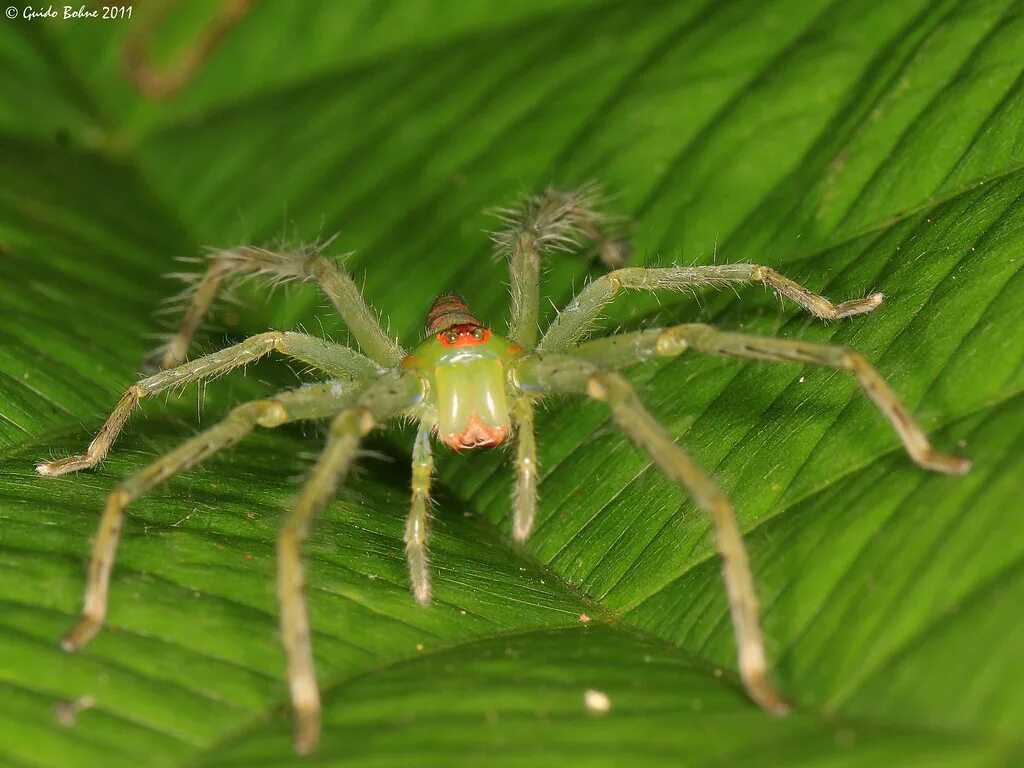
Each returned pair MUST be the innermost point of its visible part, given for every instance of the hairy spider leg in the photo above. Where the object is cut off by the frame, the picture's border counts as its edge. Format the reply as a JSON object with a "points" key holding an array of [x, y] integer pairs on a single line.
{"points": [[161, 83], [553, 220], [563, 373], [337, 285], [417, 525], [578, 317], [382, 400], [331, 358], [310, 402], [524, 499], [628, 348]]}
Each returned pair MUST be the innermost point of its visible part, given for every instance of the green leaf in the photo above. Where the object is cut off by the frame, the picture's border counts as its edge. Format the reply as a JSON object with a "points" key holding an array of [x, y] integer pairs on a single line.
{"points": [[854, 146]]}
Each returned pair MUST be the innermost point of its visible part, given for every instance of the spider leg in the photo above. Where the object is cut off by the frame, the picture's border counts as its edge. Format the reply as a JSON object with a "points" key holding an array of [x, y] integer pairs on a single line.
{"points": [[553, 220], [306, 403], [161, 83], [279, 265], [417, 526], [525, 499], [327, 356], [579, 316], [563, 373], [627, 348], [382, 400]]}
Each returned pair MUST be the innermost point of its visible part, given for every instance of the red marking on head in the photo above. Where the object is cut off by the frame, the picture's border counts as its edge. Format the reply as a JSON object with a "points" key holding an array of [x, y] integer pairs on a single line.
{"points": [[515, 349], [476, 435], [464, 335]]}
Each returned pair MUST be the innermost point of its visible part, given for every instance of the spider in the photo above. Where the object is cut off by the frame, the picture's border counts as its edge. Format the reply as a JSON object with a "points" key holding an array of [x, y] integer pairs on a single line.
{"points": [[472, 388]]}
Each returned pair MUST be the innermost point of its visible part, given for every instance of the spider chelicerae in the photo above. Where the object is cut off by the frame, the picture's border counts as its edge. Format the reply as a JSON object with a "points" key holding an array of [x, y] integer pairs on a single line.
{"points": [[471, 388]]}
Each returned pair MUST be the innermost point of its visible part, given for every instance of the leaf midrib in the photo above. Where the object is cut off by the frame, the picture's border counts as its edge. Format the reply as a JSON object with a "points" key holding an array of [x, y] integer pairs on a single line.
{"points": [[995, 740]]}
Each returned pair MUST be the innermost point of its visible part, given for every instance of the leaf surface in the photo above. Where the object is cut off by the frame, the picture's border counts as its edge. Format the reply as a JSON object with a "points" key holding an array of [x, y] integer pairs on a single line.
{"points": [[853, 146]]}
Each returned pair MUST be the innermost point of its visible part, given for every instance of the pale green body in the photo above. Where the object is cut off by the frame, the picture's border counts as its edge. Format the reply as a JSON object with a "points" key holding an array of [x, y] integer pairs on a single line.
{"points": [[468, 389]]}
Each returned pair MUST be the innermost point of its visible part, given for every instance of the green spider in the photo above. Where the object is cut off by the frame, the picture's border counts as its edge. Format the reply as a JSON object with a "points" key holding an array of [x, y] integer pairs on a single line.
{"points": [[472, 388]]}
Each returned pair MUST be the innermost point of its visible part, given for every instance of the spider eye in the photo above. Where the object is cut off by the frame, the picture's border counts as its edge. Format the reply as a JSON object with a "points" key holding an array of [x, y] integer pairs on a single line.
{"points": [[451, 337], [478, 334]]}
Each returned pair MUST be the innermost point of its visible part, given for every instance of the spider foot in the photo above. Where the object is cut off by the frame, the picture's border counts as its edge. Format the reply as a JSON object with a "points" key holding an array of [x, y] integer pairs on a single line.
{"points": [[422, 592], [84, 631], [64, 466], [765, 695], [307, 731], [859, 306], [945, 463]]}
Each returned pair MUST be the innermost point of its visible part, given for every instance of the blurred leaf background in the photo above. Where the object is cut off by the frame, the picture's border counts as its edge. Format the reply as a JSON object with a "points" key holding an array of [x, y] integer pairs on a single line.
{"points": [[855, 146]]}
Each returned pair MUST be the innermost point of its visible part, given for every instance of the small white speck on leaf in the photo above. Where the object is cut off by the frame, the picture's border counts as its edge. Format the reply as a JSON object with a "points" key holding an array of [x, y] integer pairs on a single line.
{"points": [[596, 702]]}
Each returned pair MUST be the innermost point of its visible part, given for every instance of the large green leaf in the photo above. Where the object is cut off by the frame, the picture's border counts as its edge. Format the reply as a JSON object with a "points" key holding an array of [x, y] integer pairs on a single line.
{"points": [[855, 146]]}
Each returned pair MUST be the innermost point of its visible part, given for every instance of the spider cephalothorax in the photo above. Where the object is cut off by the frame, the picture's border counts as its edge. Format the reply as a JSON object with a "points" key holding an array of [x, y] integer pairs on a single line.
{"points": [[465, 366], [474, 388]]}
